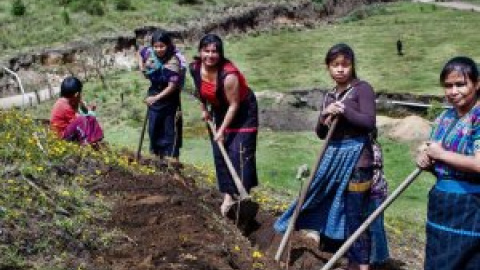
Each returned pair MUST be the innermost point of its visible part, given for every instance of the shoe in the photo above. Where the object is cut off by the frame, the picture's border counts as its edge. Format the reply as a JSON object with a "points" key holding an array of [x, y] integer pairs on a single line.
{"points": [[311, 234]]}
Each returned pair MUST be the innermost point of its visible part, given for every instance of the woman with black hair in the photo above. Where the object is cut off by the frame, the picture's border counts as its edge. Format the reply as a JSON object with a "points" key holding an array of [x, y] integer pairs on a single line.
{"points": [[220, 85], [453, 156], [339, 197], [163, 68]]}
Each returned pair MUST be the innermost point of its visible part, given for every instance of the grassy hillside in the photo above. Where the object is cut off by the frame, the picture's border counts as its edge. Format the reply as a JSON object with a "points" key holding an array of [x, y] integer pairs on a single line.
{"points": [[287, 60], [47, 213], [44, 23]]}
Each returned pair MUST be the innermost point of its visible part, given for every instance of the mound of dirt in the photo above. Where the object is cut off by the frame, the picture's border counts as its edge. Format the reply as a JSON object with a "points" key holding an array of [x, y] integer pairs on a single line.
{"points": [[171, 224], [169, 221], [410, 128]]}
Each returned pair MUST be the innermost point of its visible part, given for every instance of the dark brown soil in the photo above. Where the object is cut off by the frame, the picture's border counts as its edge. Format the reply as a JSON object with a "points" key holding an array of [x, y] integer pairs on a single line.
{"points": [[171, 222]]}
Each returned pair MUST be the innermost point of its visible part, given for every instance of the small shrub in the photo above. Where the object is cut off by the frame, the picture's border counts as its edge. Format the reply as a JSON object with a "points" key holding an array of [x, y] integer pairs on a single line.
{"points": [[124, 5], [95, 8], [64, 2], [92, 7], [18, 8], [66, 17], [188, 2]]}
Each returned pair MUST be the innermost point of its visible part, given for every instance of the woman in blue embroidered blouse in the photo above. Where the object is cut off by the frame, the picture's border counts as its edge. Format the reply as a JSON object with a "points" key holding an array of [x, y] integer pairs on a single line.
{"points": [[453, 156]]}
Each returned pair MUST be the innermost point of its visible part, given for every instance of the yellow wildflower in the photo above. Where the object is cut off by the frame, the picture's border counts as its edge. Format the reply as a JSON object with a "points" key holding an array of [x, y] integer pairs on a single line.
{"points": [[257, 254]]}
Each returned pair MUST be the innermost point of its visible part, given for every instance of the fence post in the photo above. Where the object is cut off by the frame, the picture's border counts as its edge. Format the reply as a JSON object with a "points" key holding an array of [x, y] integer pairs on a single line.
{"points": [[19, 84]]}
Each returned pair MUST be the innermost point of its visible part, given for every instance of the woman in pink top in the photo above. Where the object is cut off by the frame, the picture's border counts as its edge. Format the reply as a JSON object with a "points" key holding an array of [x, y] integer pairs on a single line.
{"points": [[65, 120]]}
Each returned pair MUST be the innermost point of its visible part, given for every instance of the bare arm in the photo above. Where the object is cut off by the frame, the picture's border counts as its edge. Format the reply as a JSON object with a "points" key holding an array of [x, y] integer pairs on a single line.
{"points": [[461, 162], [233, 99]]}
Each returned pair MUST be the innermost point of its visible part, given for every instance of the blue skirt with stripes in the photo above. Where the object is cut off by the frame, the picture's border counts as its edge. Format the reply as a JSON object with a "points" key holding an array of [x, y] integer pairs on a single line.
{"points": [[324, 206], [453, 226]]}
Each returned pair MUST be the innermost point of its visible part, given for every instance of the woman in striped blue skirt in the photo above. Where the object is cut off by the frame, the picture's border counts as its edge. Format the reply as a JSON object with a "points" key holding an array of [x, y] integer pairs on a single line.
{"points": [[338, 199], [453, 156]]}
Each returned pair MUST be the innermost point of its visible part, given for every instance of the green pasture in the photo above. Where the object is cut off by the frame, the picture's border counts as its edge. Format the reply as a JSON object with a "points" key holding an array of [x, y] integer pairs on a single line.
{"points": [[45, 25], [285, 60]]}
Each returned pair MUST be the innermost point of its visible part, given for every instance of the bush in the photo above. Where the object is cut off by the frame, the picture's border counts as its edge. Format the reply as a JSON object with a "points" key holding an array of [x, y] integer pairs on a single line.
{"points": [[188, 2], [64, 2], [124, 5], [18, 8], [66, 17], [92, 7], [95, 8]]}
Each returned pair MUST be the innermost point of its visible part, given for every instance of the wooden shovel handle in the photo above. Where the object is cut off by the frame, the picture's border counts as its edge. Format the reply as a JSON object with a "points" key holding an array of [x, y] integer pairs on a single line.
{"points": [[349, 242], [236, 179], [303, 193], [142, 136]]}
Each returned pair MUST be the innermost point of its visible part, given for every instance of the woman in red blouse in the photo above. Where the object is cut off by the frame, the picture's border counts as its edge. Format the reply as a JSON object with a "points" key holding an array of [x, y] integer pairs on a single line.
{"points": [[233, 106]]}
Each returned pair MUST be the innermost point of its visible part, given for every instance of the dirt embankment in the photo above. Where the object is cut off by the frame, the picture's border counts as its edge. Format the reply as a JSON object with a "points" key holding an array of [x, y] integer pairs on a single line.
{"points": [[89, 58], [171, 222], [299, 111]]}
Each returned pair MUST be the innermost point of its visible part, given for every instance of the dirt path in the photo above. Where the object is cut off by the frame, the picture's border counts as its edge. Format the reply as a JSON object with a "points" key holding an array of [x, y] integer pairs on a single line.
{"points": [[453, 4]]}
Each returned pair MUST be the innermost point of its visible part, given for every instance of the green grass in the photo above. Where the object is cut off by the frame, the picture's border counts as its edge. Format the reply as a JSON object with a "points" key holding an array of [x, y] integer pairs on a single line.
{"points": [[285, 60], [43, 24], [411, 205]]}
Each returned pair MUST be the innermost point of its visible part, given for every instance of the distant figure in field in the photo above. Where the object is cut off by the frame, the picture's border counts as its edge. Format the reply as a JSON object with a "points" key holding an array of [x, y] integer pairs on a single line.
{"points": [[71, 119], [453, 156], [399, 47]]}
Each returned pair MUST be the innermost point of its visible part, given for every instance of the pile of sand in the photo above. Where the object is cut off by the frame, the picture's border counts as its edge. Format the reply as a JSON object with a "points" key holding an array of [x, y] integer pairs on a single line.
{"points": [[410, 128]]}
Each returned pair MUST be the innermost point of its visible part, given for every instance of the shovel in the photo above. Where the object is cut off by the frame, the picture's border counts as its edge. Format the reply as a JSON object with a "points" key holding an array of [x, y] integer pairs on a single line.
{"points": [[303, 193], [404, 185], [142, 136]]}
